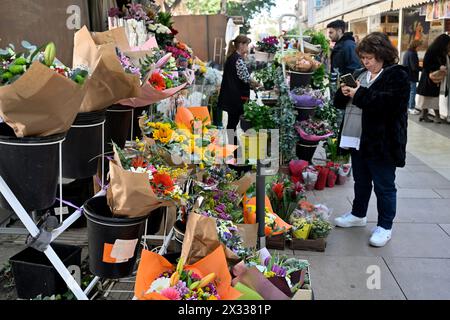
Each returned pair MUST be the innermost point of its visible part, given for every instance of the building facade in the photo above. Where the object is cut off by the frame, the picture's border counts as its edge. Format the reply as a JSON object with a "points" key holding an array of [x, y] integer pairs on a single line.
{"points": [[403, 20]]}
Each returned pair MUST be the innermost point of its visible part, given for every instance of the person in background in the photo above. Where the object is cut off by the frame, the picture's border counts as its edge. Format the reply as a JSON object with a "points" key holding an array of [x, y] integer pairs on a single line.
{"points": [[236, 81], [434, 71], [378, 145], [343, 56], [411, 61]]}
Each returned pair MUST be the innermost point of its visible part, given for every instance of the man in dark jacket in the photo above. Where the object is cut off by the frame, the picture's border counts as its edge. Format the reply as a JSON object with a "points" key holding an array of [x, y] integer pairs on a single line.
{"points": [[343, 57], [411, 61]]}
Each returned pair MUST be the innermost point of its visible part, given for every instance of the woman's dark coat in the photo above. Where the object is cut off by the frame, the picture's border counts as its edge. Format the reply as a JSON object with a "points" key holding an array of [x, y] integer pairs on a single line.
{"points": [[384, 115]]}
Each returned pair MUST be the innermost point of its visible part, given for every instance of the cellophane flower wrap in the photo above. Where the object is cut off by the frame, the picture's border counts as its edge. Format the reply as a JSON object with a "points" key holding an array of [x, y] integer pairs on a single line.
{"points": [[207, 279]]}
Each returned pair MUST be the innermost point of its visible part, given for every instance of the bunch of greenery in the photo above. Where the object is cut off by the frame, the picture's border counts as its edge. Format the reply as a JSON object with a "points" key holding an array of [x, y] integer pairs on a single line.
{"points": [[260, 116], [267, 76]]}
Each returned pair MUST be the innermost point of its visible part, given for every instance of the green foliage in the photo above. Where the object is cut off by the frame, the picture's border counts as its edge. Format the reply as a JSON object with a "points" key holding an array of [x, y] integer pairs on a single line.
{"points": [[320, 229], [319, 78], [248, 10], [319, 38], [328, 113], [267, 76], [260, 116], [203, 6], [285, 119]]}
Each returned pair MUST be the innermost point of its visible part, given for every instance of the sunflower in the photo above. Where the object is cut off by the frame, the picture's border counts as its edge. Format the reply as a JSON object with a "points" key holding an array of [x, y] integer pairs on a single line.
{"points": [[163, 134]]}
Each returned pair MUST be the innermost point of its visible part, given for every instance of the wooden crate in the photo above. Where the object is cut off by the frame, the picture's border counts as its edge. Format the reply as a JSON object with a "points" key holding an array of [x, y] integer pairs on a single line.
{"points": [[277, 242], [309, 244]]}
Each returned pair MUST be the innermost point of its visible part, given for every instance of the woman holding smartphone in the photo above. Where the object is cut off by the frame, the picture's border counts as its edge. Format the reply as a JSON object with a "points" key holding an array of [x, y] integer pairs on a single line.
{"points": [[381, 95]]}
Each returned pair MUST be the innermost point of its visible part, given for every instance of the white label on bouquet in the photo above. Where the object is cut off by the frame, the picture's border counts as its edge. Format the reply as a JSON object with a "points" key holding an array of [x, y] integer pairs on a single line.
{"points": [[123, 250], [64, 211]]}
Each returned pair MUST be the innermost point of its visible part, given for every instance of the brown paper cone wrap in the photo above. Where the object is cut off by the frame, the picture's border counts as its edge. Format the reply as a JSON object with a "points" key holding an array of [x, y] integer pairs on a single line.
{"points": [[130, 194], [108, 82], [41, 102], [201, 238]]}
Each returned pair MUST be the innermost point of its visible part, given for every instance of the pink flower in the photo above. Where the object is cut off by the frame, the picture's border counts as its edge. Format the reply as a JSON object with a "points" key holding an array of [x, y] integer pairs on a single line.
{"points": [[171, 293]]}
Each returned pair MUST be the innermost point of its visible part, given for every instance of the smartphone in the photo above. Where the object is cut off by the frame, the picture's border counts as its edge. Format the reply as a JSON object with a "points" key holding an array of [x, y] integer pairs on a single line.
{"points": [[349, 80]]}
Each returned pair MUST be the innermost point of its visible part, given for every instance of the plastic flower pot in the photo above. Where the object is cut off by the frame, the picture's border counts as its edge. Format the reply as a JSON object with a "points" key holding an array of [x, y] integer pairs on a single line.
{"points": [[299, 79], [331, 179], [264, 56], [154, 220], [322, 178], [34, 274], [117, 125], [305, 113], [30, 167], [113, 242], [83, 145], [341, 179], [245, 125], [305, 150]]}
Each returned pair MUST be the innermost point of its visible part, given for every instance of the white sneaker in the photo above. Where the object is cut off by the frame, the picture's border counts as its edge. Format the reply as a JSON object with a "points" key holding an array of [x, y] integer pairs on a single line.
{"points": [[348, 220], [380, 237], [414, 111]]}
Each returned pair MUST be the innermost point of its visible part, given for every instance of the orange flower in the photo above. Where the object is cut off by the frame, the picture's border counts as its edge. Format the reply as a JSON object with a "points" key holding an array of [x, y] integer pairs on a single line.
{"points": [[181, 46], [162, 182], [305, 205], [157, 81], [278, 189], [138, 162]]}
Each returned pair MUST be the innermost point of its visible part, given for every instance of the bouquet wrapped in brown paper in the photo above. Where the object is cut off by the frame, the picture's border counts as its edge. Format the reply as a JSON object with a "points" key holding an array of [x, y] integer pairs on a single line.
{"points": [[204, 234], [301, 62], [38, 95], [137, 187], [109, 81]]}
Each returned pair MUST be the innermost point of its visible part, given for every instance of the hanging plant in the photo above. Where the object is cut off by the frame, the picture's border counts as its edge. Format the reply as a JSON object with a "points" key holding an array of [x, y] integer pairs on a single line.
{"points": [[286, 119]]}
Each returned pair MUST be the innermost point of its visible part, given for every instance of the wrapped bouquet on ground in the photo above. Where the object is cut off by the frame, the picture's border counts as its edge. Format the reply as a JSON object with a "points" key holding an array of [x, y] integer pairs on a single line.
{"points": [[207, 279], [310, 226], [274, 277]]}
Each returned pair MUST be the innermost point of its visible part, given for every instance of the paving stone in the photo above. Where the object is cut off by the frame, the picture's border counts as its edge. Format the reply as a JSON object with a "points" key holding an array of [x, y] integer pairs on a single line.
{"points": [[446, 228], [444, 193], [408, 240], [422, 180], [420, 278], [335, 278]]}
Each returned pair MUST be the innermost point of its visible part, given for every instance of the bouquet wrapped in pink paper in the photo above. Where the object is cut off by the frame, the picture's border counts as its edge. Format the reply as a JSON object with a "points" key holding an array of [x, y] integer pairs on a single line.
{"points": [[312, 130], [163, 81]]}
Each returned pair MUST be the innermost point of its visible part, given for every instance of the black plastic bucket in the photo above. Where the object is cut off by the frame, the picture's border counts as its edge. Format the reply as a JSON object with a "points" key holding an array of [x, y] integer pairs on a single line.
{"points": [[83, 144], [104, 232], [299, 79], [154, 220], [305, 150], [30, 167], [34, 274], [118, 125], [305, 113]]}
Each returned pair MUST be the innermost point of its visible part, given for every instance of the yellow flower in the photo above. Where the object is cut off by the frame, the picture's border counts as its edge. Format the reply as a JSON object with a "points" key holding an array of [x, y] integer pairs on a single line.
{"points": [[163, 134], [201, 166], [212, 298], [202, 69]]}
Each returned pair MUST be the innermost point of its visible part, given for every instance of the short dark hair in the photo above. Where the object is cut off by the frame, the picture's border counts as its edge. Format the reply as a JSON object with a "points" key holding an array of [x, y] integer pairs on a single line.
{"points": [[378, 44], [338, 24]]}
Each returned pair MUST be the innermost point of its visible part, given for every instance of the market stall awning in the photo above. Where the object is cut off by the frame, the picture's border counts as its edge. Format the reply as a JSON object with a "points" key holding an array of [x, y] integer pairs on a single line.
{"points": [[357, 14], [377, 8], [398, 4]]}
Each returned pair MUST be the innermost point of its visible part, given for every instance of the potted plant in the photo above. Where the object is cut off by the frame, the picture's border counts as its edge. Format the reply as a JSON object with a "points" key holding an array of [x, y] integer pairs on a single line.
{"points": [[267, 76], [310, 227], [306, 100], [311, 132], [266, 49], [301, 67], [256, 117]]}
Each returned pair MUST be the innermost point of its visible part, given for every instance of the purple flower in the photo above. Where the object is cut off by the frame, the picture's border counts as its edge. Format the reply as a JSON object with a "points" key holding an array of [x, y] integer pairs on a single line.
{"points": [[279, 271], [266, 261], [115, 12], [182, 288]]}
